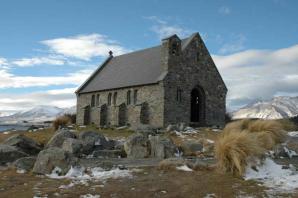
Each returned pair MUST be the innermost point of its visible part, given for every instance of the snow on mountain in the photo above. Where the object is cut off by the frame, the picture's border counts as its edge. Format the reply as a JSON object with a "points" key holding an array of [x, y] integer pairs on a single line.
{"points": [[37, 114], [277, 108]]}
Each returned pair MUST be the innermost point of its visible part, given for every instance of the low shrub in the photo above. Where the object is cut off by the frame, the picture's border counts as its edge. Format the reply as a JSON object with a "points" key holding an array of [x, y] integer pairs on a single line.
{"points": [[61, 121]]}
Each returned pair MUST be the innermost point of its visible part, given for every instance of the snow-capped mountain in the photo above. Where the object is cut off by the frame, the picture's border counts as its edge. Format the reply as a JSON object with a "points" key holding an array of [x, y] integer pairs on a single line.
{"points": [[277, 108], [37, 114]]}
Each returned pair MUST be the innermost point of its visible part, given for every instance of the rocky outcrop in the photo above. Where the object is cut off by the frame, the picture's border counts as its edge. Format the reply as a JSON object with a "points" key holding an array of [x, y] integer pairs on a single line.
{"points": [[191, 147], [73, 146], [137, 146], [24, 144], [94, 141], [51, 158], [161, 147], [140, 146], [25, 163], [59, 137], [10, 154], [109, 154]]}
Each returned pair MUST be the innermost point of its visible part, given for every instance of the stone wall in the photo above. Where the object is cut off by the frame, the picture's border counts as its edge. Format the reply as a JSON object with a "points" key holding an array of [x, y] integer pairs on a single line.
{"points": [[193, 67], [152, 94]]}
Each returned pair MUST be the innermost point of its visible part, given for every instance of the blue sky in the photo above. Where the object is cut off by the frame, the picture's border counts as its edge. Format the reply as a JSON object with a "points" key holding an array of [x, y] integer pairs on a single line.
{"points": [[47, 48]]}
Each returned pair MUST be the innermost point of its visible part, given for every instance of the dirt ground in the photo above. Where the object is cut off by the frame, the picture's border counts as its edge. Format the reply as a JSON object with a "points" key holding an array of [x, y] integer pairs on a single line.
{"points": [[150, 182]]}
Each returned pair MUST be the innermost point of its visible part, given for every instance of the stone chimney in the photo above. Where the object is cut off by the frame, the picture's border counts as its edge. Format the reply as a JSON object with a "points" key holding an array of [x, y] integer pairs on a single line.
{"points": [[170, 50]]}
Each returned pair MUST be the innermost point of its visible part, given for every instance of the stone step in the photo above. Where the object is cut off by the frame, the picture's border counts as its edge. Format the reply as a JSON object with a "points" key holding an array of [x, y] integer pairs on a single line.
{"points": [[109, 154]]}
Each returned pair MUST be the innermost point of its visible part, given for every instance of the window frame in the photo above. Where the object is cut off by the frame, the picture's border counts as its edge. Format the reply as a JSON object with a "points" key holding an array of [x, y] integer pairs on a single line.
{"points": [[109, 99], [128, 97], [135, 96], [115, 98]]}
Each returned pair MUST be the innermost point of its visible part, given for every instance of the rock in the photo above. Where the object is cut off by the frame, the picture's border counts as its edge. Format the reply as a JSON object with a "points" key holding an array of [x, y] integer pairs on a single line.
{"points": [[171, 163], [137, 146], [94, 141], [279, 151], [146, 129], [73, 146], [59, 137], [181, 126], [25, 163], [171, 127], [24, 144], [190, 148], [51, 158], [292, 144], [109, 153], [162, 147], [10, 154]]}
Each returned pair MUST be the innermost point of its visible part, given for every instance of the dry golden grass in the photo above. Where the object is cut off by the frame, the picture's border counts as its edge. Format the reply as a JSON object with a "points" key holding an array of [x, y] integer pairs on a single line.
{"points": [[246, 139], [61, 121], [232, 150]]}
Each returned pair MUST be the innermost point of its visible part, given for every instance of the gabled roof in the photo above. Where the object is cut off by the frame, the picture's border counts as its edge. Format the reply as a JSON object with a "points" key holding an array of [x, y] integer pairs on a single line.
{"points": [[132, 69]]}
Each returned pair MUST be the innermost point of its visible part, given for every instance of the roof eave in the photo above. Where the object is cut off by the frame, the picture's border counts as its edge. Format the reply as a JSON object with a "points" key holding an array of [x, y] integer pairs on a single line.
{"points": [[93, 74]]}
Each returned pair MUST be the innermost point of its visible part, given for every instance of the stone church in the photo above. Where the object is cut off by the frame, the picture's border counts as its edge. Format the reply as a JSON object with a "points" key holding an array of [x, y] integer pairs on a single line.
{"points": [[175, 82]]}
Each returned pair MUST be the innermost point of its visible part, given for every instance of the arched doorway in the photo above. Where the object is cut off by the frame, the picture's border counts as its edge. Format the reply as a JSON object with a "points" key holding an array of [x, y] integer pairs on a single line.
{"points": [[197, 105], [122, 116]]}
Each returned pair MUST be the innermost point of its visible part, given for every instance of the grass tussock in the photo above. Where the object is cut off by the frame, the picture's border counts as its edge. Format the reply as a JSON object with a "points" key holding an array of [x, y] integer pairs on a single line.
{"points": [[61, 121], [243, 140]]}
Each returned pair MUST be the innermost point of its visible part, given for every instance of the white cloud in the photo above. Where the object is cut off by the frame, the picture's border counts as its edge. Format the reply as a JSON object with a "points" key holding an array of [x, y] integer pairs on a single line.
{"points": [[25, 62], [259, 74], [84, 47], [14, 102], [224, 10], [163, 29], [3, 61], [9, 80], [236, 44]]}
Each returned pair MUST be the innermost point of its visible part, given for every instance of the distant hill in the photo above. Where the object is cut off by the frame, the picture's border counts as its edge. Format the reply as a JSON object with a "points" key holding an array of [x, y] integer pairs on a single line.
{"points": [[37, 114], [277, 108]]}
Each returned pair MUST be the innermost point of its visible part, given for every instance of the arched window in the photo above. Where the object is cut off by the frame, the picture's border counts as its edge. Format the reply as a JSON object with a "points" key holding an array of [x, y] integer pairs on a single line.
{"points": [[115, 98], [110, 99], [97, 100], [93, 101], [179, 95], [135, 96], [128, 97]]}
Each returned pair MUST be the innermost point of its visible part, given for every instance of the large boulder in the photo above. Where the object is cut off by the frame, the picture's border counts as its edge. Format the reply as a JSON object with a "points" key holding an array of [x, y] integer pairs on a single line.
{"points": [[25, 163], [73, 146], [94, 141], [51, 158], [24, 144], [10, 154], [162, 147], [137, 146], [59, 137], [190, 148]]}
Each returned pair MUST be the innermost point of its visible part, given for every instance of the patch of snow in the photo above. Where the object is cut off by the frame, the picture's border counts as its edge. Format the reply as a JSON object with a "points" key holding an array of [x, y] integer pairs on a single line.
{"points": [[56, 172], [210, 141], [290, 153], [215, 130], [79, 175], [97, 143], [210, 195], [178, 153], [273, 176], [67, 186], [184, 168], [6, 132], [90, 196], [293, 134], [21, 171]]}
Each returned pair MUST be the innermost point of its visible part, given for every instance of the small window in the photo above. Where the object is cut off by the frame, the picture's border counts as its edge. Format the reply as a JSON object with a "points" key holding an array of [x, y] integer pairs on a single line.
{"points": [[174, 48], [179, 95], [109, 99], [93, 101], [115, 98], [198, 56], [135, 96], [128, 97], [97, 100]]}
